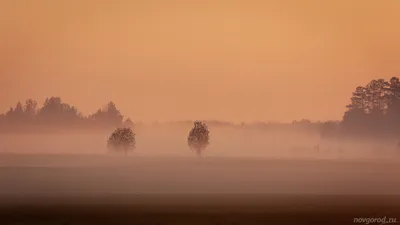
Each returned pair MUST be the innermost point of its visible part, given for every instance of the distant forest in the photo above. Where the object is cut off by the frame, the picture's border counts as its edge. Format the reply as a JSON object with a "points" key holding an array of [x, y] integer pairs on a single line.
{"points": [[374, 111], [56, 114]]}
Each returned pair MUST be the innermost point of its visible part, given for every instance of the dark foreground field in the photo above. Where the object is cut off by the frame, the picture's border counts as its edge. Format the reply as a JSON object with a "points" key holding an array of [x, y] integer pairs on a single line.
{"points": [[199, 209], [74, 190]]}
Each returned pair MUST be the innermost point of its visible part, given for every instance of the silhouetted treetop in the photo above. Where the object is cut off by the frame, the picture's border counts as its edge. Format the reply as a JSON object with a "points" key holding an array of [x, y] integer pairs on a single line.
{"points": [[128, 123], [108, 116], [30, 107], [54, 110]]}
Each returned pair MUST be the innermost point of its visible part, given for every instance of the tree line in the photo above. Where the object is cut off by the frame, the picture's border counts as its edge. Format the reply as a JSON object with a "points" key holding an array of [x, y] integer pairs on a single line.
{"points": [[374, 111], [54, 113]]}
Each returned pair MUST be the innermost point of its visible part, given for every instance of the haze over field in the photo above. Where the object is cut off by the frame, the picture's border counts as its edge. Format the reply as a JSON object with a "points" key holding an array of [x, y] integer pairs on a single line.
{"points": [[168, 141]]}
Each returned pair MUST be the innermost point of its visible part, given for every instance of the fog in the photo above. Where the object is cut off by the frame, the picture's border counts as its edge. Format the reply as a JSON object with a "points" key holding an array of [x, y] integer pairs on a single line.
{"points": [[236, 161], [171, 140]]}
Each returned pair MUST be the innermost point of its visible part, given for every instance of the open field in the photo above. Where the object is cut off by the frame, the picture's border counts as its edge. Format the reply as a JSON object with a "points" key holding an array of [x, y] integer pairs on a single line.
{"points": [[198, 209], [63, 174], [103, 189]]}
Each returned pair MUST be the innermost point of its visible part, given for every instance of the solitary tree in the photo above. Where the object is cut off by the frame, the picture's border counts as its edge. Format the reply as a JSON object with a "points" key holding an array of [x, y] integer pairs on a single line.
{"points": [[198, 139], [122, 139]]}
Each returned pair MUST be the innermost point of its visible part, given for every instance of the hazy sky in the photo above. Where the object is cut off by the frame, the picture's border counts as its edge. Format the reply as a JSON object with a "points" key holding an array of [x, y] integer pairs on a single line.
{"points": [[272, 60]]}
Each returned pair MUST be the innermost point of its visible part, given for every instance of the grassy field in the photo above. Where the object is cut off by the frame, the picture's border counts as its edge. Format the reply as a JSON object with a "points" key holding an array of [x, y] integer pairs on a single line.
{"points": [[98, 189]]}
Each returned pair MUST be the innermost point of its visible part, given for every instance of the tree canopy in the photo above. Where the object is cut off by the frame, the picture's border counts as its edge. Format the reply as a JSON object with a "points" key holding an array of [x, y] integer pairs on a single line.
{"points": [[374, 109], [198, 138], [122, 139]]}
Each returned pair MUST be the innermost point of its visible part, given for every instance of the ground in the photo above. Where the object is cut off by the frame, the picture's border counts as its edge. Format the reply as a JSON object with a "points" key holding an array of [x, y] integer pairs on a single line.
{"points": [[95, 189]]}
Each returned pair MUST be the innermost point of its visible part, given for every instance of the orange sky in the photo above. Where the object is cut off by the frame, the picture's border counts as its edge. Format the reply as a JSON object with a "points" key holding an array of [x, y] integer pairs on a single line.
{"points": [[249, 60]]}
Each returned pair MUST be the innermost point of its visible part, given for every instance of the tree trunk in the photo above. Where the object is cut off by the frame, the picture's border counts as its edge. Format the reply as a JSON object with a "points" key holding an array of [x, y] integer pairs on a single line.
{"points": [[199, 152]]}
